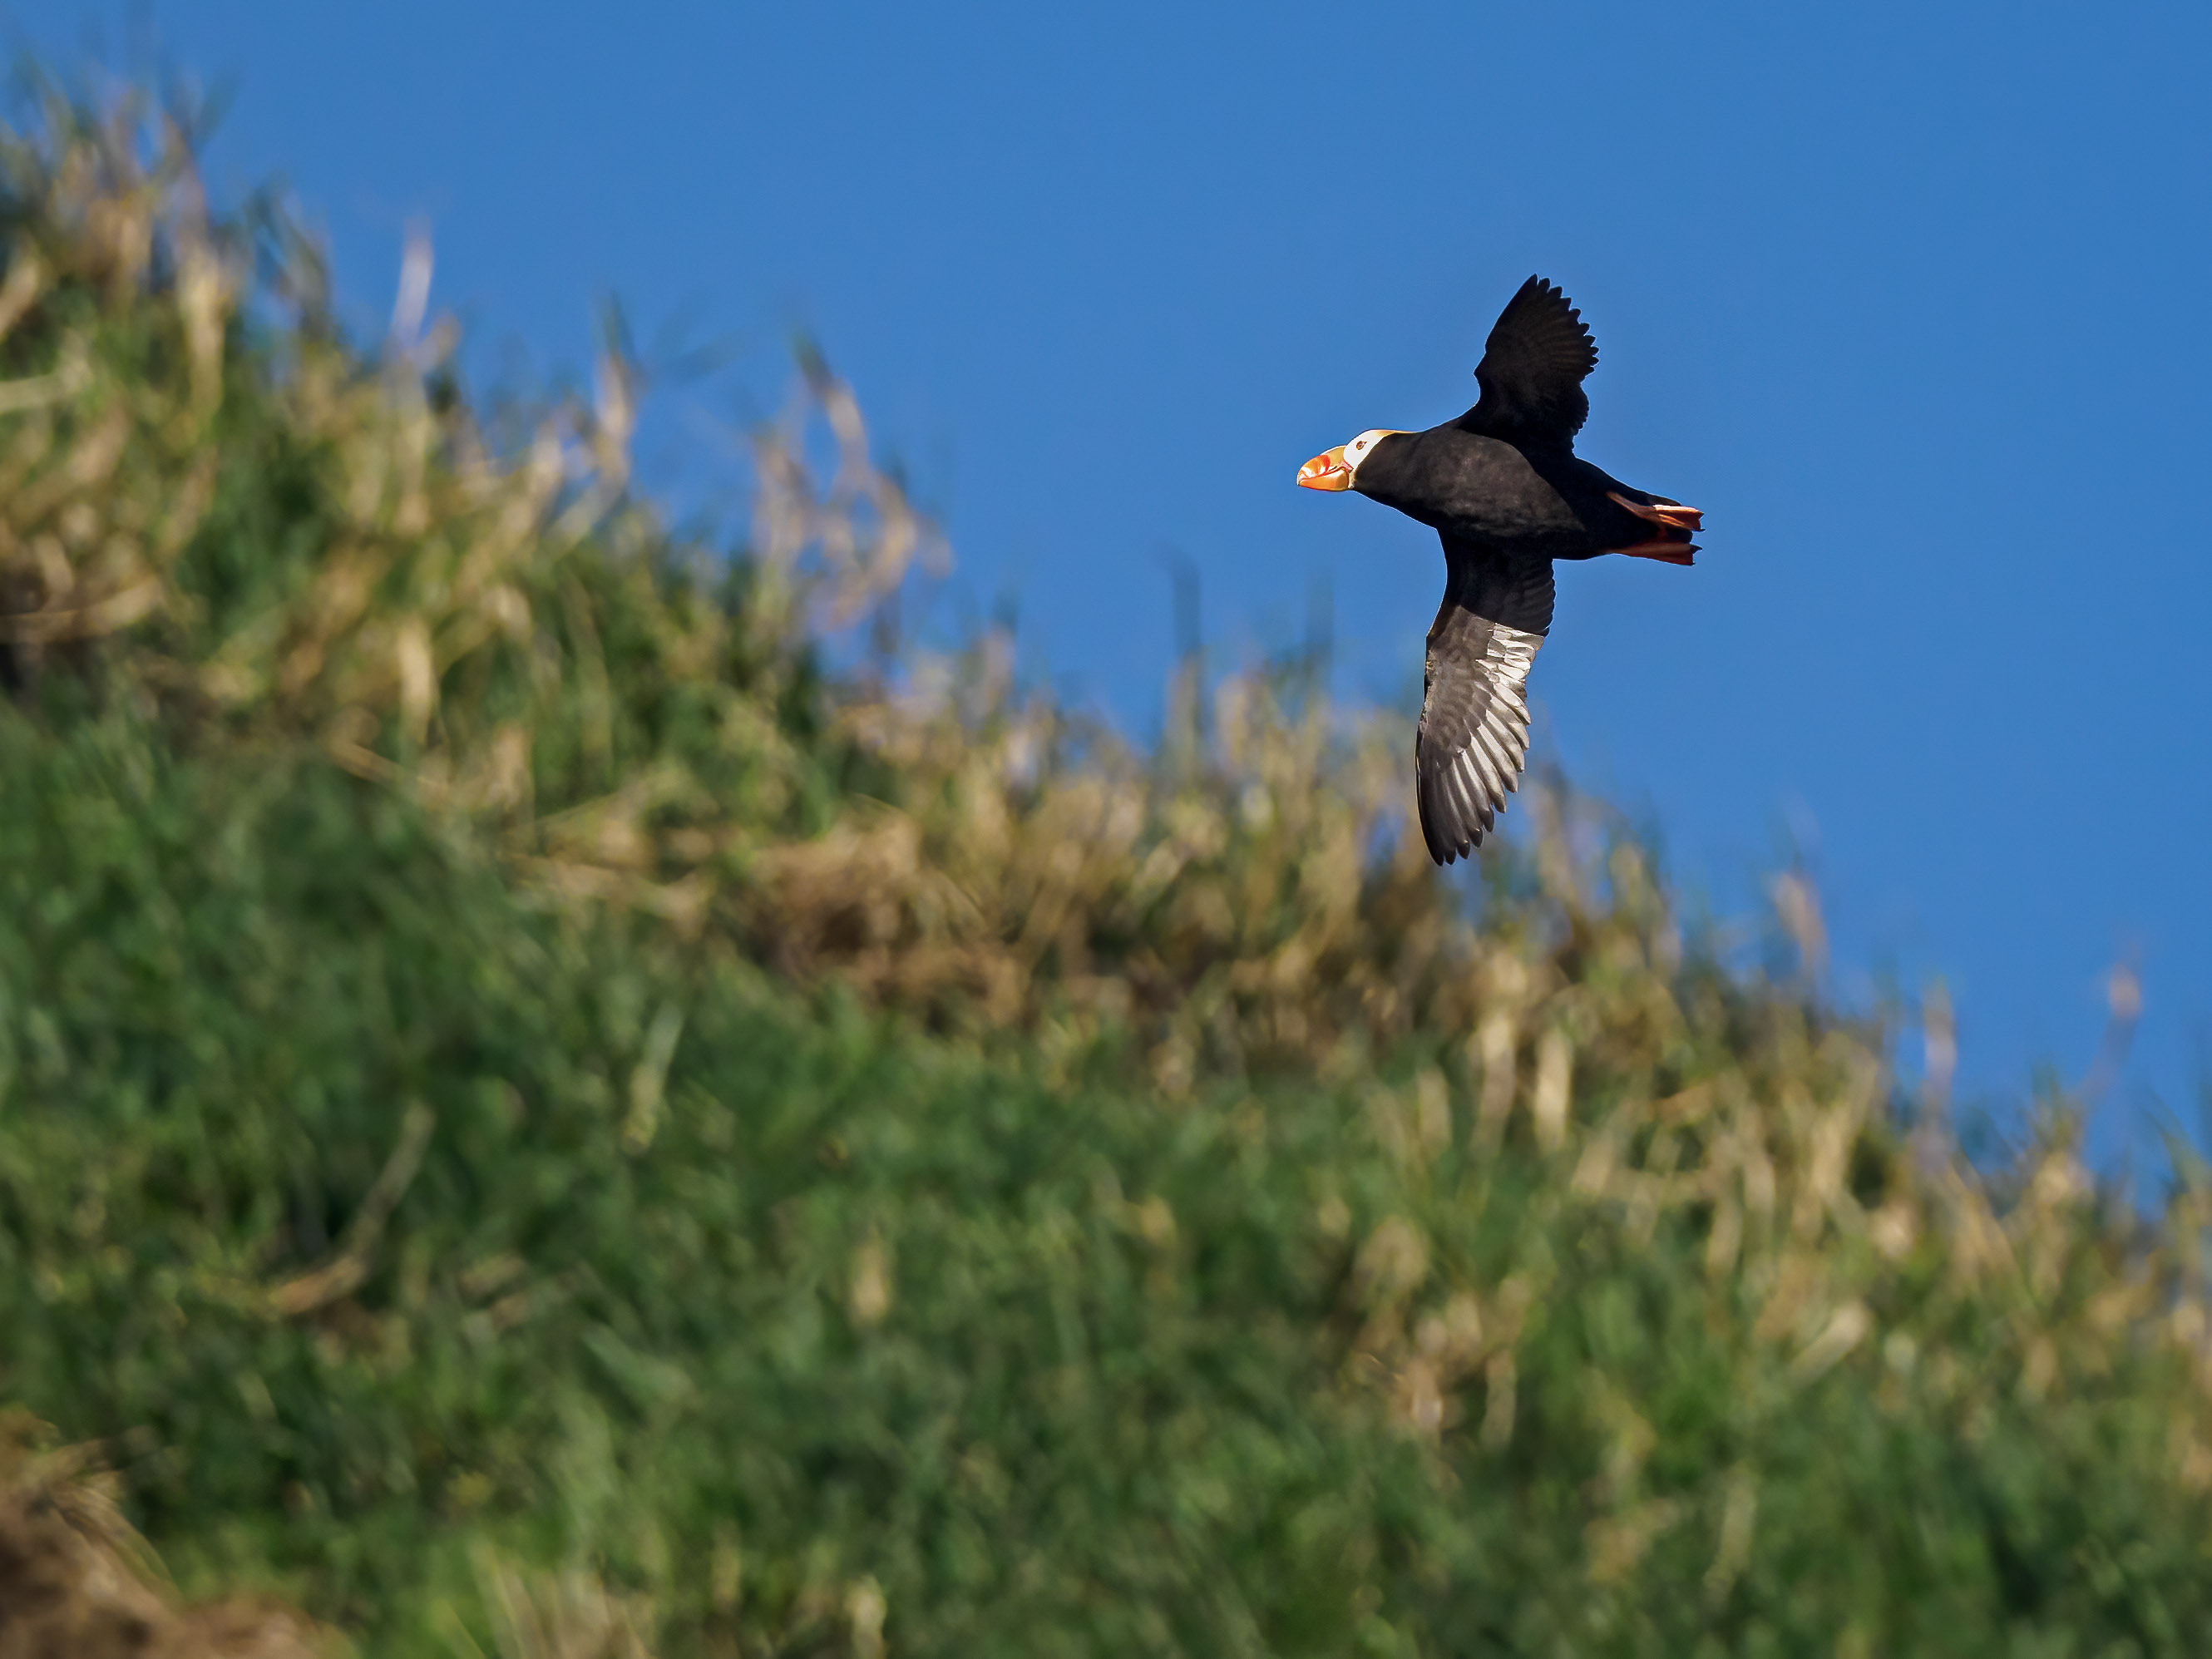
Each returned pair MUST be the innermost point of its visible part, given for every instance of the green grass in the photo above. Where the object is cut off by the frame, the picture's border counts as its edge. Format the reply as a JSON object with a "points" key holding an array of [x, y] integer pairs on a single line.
{"points": [[513, 1078]]}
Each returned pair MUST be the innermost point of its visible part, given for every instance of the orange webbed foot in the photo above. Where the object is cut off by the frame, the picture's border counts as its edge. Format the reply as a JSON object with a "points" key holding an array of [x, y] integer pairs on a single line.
{"points": [[1673, 514]]}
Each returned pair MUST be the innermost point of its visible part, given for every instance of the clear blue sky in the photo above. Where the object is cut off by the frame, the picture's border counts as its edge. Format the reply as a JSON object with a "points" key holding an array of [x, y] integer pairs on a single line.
{"points": [[1911, 299]]}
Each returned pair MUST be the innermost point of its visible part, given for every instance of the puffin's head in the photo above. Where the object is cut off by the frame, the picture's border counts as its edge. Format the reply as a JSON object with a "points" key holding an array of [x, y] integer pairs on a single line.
{"points": [[1334, 468]]}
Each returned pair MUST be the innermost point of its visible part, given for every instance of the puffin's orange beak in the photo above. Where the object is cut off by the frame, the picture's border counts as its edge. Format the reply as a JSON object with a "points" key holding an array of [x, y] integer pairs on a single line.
{"points": [[1326, 471]]}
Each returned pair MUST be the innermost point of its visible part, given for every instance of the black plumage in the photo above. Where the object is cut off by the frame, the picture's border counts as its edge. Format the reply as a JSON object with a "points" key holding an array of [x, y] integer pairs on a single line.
{"points": [[1505, 492]]}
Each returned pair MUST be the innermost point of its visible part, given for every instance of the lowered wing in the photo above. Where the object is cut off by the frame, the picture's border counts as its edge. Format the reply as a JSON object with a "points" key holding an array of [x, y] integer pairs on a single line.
{"points": [[1474, 738]]}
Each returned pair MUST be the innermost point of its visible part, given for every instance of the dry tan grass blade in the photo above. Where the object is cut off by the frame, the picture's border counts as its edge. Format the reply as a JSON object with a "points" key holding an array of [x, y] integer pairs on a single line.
{"points": [[76, 1583]]}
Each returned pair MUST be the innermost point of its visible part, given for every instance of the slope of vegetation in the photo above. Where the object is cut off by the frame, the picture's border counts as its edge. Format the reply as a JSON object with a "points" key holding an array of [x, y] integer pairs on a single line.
{"points": [[538, 1117]]}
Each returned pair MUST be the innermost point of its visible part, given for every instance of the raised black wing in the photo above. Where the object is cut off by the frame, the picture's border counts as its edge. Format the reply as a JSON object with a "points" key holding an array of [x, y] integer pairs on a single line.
{"points": [[1532, 369], [1474, 737]]}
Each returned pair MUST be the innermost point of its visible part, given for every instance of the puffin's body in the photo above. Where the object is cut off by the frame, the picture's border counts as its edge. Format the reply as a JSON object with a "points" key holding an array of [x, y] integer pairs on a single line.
{"points": [[1504, 488]]}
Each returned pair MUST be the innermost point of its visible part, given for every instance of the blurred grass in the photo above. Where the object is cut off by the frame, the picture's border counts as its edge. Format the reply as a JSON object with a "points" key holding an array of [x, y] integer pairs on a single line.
{"points": [[538, 1116]]}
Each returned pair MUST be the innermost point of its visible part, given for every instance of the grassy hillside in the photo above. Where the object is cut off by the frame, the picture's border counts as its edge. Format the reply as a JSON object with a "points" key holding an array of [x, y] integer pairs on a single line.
{"points": [[536, 1117]]}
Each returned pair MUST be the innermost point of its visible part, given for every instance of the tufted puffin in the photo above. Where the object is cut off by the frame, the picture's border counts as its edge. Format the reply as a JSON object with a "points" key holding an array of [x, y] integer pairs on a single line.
{"points": [[1503, 487]]}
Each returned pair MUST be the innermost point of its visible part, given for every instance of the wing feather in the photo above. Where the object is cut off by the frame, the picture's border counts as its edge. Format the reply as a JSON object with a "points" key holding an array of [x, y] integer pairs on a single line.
{"points": [[1532, 370], [1474, 737]]}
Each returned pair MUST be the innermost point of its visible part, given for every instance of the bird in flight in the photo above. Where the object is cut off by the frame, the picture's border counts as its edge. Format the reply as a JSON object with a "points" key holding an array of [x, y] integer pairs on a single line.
{"points": [[1503, 487]]}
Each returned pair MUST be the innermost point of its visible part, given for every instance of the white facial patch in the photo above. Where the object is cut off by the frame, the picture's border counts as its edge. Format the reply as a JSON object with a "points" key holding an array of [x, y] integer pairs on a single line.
{"points": [[1364, 446]]}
